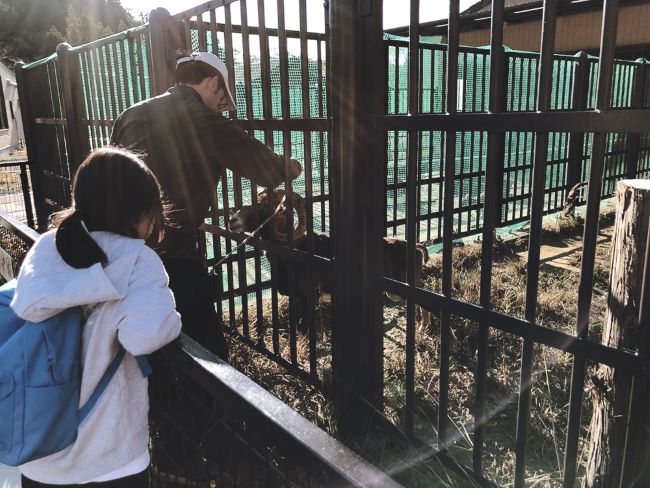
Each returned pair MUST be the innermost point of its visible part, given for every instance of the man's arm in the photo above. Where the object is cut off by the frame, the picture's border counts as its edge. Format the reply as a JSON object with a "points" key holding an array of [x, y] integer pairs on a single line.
{"points": [[250, 158]]}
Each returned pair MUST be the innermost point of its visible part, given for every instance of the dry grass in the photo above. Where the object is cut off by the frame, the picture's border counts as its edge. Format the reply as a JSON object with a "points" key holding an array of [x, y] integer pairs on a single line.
{"points": [[556, 299]]}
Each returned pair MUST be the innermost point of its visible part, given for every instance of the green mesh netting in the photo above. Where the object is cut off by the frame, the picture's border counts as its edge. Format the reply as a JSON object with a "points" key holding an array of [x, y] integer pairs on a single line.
{"points": [[471, 147]]}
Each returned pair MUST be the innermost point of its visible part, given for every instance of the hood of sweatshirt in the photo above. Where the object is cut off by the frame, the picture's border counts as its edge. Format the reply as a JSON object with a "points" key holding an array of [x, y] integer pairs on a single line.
{"points": [[47, 285]]}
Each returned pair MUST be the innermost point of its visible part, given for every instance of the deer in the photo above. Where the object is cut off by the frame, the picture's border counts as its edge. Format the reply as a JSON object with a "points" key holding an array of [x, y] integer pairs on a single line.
{"points": [[250, 217]]}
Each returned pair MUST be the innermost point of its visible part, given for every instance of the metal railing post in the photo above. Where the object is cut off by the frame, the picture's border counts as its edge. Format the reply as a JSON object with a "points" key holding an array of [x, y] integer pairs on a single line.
{"points": [[70, 82], [28, 125], [634, 140], [164, 44], [358, 84], [577, 139]]}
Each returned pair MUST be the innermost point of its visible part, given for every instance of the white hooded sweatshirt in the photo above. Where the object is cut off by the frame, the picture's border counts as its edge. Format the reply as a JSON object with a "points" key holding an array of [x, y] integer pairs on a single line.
{"points": [[127, 300]]}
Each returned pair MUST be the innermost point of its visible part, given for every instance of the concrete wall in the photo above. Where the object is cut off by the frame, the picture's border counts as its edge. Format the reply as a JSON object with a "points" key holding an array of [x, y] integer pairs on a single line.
{"points": [[10, 137], [574, 32]]}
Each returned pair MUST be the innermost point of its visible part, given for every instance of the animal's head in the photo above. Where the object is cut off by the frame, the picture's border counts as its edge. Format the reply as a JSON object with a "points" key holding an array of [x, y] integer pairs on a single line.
{"points": [[250, 217]]}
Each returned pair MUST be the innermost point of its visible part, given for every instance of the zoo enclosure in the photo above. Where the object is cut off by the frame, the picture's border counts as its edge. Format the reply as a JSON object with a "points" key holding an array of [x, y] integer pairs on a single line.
{"points": [[76, 93]]}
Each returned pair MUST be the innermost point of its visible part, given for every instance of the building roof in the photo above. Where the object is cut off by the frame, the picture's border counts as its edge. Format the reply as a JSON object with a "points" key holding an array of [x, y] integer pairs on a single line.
{"points": [[478, 15]]}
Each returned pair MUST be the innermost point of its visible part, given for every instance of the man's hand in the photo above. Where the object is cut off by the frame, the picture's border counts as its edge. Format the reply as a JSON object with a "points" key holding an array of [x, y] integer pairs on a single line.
{"points": [[296, 169]]}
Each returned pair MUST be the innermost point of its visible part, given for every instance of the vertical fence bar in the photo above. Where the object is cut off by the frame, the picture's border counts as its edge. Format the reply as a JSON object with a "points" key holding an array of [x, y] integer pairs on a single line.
{"points": [[492, 192], [577, 139], [310, 306], [200, 24], [28, 128], [265, 82], [27, 197], [357, 87], [411, 207], [71, 90], [286, 144], [545, 72], [603, 101], [453, 36], [634, 139]]}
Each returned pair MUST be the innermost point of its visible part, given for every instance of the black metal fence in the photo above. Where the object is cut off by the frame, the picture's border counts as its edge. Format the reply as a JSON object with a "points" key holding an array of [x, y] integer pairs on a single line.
{"points": [[600, 147], [574, 81], [16, 197]]}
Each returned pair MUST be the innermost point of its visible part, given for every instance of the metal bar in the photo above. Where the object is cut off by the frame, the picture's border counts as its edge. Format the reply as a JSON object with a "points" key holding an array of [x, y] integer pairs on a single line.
{"points": [[246, 52], [291, 34], [556, 339], [447, 233], [26, 109], [396, 140], [128, 95], [24, 184], [286, 143], [103, 93], [213, 32], [201, 29], [265, 80], [311, 447], [490, 213], [138, 48], [120, 105], [634, 142], [603, 99], [230, 62], [323, 110], [411, 211], [310, 306], [545, 72], [357, 87], [225, 204], [216, 251], [577, 121], [577, 139], [187, 31]]}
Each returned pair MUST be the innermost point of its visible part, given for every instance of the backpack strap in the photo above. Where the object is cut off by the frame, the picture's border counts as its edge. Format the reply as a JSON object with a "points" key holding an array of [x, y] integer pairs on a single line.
{"points": [[106, 378], [103, 383], [144, 365]]}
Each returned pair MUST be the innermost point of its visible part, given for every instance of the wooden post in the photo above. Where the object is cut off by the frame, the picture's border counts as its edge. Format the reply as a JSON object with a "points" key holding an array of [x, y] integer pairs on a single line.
{"points": [[611, 388], [165, 40]]}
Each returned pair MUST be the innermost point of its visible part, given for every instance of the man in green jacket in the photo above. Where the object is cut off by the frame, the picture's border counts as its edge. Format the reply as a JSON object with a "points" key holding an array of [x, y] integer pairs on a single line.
{"points": [[187, 142]]}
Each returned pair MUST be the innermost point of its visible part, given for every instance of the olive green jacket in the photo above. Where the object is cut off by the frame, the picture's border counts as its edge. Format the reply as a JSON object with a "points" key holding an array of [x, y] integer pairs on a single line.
{"points": [[188, 145]]}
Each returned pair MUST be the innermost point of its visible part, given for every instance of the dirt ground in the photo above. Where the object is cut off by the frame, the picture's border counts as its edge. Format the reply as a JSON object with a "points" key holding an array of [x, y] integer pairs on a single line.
{"points": [[557, 309]]}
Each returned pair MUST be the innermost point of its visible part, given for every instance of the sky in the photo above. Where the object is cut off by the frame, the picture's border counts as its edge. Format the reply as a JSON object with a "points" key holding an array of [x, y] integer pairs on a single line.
{"points": [[396, 12]]}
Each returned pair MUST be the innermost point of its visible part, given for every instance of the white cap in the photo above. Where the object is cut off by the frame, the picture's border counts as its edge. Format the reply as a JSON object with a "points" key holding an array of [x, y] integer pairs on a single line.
{"points": [[214, 61]]}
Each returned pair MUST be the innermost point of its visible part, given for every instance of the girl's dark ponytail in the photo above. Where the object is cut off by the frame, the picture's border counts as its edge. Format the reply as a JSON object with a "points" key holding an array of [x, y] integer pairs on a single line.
{"points": [[74, 243]]}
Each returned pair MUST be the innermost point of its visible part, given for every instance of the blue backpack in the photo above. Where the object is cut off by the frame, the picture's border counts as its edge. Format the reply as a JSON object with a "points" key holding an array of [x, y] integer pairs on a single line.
{"points": [[40, 379]]}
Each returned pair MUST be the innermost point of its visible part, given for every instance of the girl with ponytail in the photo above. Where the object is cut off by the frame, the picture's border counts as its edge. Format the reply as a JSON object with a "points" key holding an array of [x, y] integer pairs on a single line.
{"points": [[95, 257]]}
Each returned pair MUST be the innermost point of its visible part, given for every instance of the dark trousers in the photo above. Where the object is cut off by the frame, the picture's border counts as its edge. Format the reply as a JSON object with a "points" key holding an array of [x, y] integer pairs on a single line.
{"points": [[139, 480], [195, 292]]}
